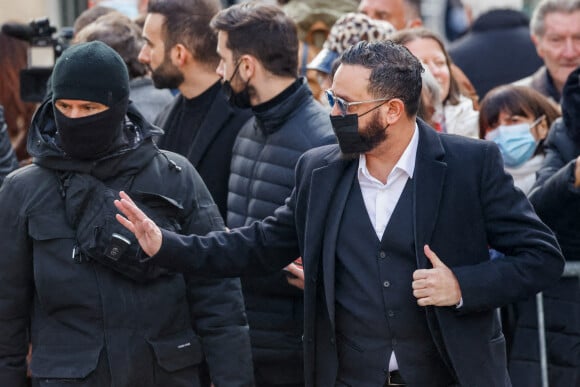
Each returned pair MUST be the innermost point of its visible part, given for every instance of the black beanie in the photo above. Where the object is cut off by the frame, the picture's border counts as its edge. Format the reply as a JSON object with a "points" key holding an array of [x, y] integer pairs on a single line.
{"points": [[91, 72]]}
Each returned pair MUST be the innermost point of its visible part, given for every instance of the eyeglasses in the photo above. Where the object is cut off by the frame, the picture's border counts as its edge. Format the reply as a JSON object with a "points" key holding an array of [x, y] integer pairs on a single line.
{"points": [[343, 105]]}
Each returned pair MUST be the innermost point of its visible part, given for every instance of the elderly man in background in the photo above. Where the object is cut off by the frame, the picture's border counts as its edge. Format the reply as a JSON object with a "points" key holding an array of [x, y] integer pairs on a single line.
{"points": [[555, 29]]}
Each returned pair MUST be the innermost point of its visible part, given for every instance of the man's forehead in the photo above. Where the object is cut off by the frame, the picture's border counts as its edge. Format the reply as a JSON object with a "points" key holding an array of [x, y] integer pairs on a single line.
{"points": [[554, 21], [222, 46], [154, 23], [388, 7], [351, 80]]}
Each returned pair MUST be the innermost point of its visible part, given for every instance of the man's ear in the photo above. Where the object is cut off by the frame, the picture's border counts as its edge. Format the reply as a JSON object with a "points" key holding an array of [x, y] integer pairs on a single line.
{"points": [[415, 23], [248, 67], [180, 55], [396, 110]]}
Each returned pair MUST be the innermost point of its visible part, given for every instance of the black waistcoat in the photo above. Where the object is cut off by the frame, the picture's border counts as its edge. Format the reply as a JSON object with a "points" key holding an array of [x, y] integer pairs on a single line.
{"points": [[376, 311]]}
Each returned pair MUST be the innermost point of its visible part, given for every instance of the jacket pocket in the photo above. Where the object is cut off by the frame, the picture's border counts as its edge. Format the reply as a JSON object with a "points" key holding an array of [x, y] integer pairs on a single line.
{"points": [[63, 362], [178, 351], [46, 226]]}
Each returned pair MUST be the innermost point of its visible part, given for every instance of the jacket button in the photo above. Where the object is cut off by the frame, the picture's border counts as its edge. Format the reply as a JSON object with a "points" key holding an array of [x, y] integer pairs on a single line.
{"points": [[382, 254], [386, 284]]}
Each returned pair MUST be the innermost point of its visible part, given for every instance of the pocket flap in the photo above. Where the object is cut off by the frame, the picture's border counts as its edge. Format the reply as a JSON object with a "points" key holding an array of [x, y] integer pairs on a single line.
{"points": [[178, 351], [49, 226], [65, 362]]}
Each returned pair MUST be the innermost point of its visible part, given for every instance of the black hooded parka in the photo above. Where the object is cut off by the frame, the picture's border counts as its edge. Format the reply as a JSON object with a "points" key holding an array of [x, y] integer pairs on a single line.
{"points": [[88, 324]]}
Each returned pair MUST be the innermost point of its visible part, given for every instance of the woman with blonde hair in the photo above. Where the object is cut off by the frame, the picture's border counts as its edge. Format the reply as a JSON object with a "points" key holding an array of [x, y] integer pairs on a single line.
{"points": [[459, 115]]}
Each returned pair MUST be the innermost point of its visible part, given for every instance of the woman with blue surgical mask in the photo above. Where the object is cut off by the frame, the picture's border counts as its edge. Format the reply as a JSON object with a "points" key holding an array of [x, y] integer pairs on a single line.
{"points": [[517, 119]]}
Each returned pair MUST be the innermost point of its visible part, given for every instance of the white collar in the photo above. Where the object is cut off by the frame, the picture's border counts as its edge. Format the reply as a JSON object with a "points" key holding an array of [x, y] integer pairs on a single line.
{"points": [[406, 162]]}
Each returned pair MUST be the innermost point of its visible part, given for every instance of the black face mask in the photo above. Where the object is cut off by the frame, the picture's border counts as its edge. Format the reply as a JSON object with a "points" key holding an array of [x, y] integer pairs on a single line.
{"points": [[351, 142], [94, 136], [240, 99]]}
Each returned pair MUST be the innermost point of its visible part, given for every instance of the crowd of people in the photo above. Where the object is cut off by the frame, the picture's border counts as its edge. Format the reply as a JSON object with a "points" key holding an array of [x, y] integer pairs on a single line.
{"points": [[294, 193]]}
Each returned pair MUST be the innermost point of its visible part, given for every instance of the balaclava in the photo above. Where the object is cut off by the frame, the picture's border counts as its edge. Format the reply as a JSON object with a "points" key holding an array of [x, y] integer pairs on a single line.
{"points": [[91, 72]]}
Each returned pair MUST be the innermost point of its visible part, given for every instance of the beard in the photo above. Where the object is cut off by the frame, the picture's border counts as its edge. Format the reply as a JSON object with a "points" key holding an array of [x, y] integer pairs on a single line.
{"points": [[371, 135], [167, 75]]}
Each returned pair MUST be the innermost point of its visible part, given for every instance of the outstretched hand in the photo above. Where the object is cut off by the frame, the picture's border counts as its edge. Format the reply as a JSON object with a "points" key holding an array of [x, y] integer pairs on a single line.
{"points": [[135, 220], [437, 286]]}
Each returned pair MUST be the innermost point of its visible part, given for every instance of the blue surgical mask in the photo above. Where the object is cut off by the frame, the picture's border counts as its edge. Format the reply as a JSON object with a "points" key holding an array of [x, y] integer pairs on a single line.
{"points": [[516, 143]]}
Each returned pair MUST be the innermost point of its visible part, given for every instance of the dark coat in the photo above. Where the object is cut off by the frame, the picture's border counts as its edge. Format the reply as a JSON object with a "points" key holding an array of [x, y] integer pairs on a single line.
{"points": [[557, 202], [8, 161], [88, 324], [497, 50], [211, 150], [262, 176], [464, 202], [541, 81]]}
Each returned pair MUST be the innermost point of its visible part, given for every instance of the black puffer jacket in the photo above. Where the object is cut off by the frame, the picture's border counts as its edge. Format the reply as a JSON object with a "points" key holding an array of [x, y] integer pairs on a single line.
{"points": [[557, 202], [89, 325], [262, 177]]}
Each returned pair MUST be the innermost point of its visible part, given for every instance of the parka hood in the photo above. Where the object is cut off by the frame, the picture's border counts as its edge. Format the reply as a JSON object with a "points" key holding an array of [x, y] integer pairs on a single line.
{"points": [[571, 104], [45, 151]]}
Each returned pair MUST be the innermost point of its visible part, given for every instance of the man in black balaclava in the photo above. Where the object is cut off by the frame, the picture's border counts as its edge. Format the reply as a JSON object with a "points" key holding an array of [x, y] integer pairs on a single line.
{"points": [[90, 93], [72, 283]]}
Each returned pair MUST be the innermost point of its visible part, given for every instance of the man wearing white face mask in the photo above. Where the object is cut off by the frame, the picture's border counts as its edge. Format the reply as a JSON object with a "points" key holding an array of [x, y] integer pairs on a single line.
{"points": [[517, 119]]}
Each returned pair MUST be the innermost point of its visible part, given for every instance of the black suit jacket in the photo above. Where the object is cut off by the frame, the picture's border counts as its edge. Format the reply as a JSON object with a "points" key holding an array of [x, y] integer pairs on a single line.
{"points": [[211, 150], [464, 203]]}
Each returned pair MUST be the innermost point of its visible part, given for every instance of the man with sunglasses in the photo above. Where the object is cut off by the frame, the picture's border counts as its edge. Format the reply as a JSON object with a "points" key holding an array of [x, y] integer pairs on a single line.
{"points": [[259, 71], [394, 226]]}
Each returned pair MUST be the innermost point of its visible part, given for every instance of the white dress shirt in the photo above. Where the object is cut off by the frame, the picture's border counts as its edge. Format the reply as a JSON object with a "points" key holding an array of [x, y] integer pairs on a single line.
{"points": [[381, 199]]}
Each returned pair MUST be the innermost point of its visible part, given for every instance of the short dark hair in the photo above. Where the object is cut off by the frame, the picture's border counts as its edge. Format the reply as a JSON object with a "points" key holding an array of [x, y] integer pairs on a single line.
{"points": [[187, 23], [411, 34], [90, 15], [395, 72], [122, 35], [263, 31], [516, 100]]}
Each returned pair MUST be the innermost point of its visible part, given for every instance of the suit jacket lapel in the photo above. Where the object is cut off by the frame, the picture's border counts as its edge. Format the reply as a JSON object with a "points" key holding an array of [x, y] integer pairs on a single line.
{"points": [[217, 116], [428, 187], [328, 194]]}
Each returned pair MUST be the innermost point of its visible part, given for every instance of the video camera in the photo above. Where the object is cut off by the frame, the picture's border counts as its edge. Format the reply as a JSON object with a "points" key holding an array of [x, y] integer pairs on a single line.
{"points": [[43, 51]]}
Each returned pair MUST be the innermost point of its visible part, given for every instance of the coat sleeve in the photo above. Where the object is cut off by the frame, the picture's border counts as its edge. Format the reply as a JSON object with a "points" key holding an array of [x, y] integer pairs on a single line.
{"points": [[532, 261], [555, 180], [263, 247], [554, 159], [8, 161], [217, 306], [16, 286]]}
